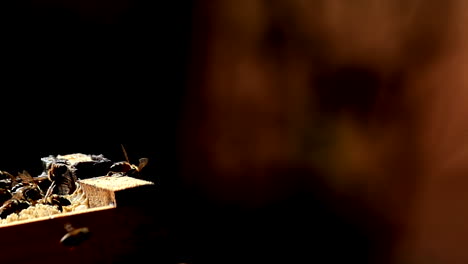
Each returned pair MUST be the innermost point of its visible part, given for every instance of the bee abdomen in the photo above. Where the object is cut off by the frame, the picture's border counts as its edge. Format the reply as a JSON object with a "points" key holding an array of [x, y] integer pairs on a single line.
{"points": [[121, 166]]}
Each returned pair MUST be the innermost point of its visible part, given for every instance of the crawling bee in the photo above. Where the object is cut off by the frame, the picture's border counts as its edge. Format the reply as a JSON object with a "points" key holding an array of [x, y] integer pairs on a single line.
{"points": [[13, 205], [6, 182], [5, 195], [24, 193], [125, 168], [63, 180], [27, 188], [56, 200]]}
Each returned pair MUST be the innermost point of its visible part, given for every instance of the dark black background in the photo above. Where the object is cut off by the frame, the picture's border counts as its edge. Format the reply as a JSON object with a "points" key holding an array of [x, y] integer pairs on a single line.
{"points": [[82, 77], [79, 83]]}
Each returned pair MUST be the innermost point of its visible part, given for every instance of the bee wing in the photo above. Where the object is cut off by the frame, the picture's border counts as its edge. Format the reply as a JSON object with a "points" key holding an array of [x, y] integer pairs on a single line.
{"points": [[66, 183], [142, 164], [26, 177], [125, 153], [18, 195], [9, 175], [13, 179]]}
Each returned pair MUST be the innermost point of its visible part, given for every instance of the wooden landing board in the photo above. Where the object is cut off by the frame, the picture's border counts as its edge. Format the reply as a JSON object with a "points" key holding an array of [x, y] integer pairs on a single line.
{"points": [[104, 193], [110, 191], [118, 229]]}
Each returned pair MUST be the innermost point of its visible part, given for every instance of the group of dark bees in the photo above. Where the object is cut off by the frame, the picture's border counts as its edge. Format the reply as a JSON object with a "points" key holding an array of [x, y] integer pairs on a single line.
{"points": [[19, 192]]}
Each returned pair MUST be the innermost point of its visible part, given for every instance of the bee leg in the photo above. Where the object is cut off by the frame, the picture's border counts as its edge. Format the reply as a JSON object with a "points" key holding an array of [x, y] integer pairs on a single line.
{"points": [[50, 190]]}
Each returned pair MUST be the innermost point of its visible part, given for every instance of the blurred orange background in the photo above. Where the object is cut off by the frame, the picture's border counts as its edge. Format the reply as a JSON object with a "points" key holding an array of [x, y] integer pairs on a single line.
{"points": [[358, 107]]}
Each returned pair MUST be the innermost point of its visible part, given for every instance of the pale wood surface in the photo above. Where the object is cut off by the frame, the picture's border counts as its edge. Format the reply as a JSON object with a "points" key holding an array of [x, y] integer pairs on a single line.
{"points": [[101, 191]]}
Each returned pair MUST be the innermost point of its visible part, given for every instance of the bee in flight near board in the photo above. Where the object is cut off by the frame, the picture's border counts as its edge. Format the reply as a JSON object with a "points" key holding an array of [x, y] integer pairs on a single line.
{"points": [[74, 236], [125, 168]]}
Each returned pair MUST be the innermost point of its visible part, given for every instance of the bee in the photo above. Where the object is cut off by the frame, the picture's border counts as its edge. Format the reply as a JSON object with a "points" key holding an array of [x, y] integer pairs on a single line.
{"points": [[55, 200], [27, 189], [63, 180], [125, 168], [74, 236], [5, 195], [6, 182], [13, 205], [24, 193]]}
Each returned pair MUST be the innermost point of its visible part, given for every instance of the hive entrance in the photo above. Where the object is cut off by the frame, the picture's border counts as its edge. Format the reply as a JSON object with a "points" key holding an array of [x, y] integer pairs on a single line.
{"points": [[69, 184]]}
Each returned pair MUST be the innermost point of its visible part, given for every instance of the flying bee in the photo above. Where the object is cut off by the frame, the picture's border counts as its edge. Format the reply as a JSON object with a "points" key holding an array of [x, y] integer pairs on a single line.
{"points": [[75, 236], [125, 168]]}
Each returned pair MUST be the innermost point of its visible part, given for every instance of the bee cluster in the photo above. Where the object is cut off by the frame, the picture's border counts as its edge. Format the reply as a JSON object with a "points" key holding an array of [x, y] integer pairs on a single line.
{"points": [[22, 194], [57, 188]]}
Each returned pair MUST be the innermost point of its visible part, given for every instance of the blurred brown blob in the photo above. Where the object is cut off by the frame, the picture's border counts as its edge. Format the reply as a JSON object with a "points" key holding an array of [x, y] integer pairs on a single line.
{"points": [[342, 109]]}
